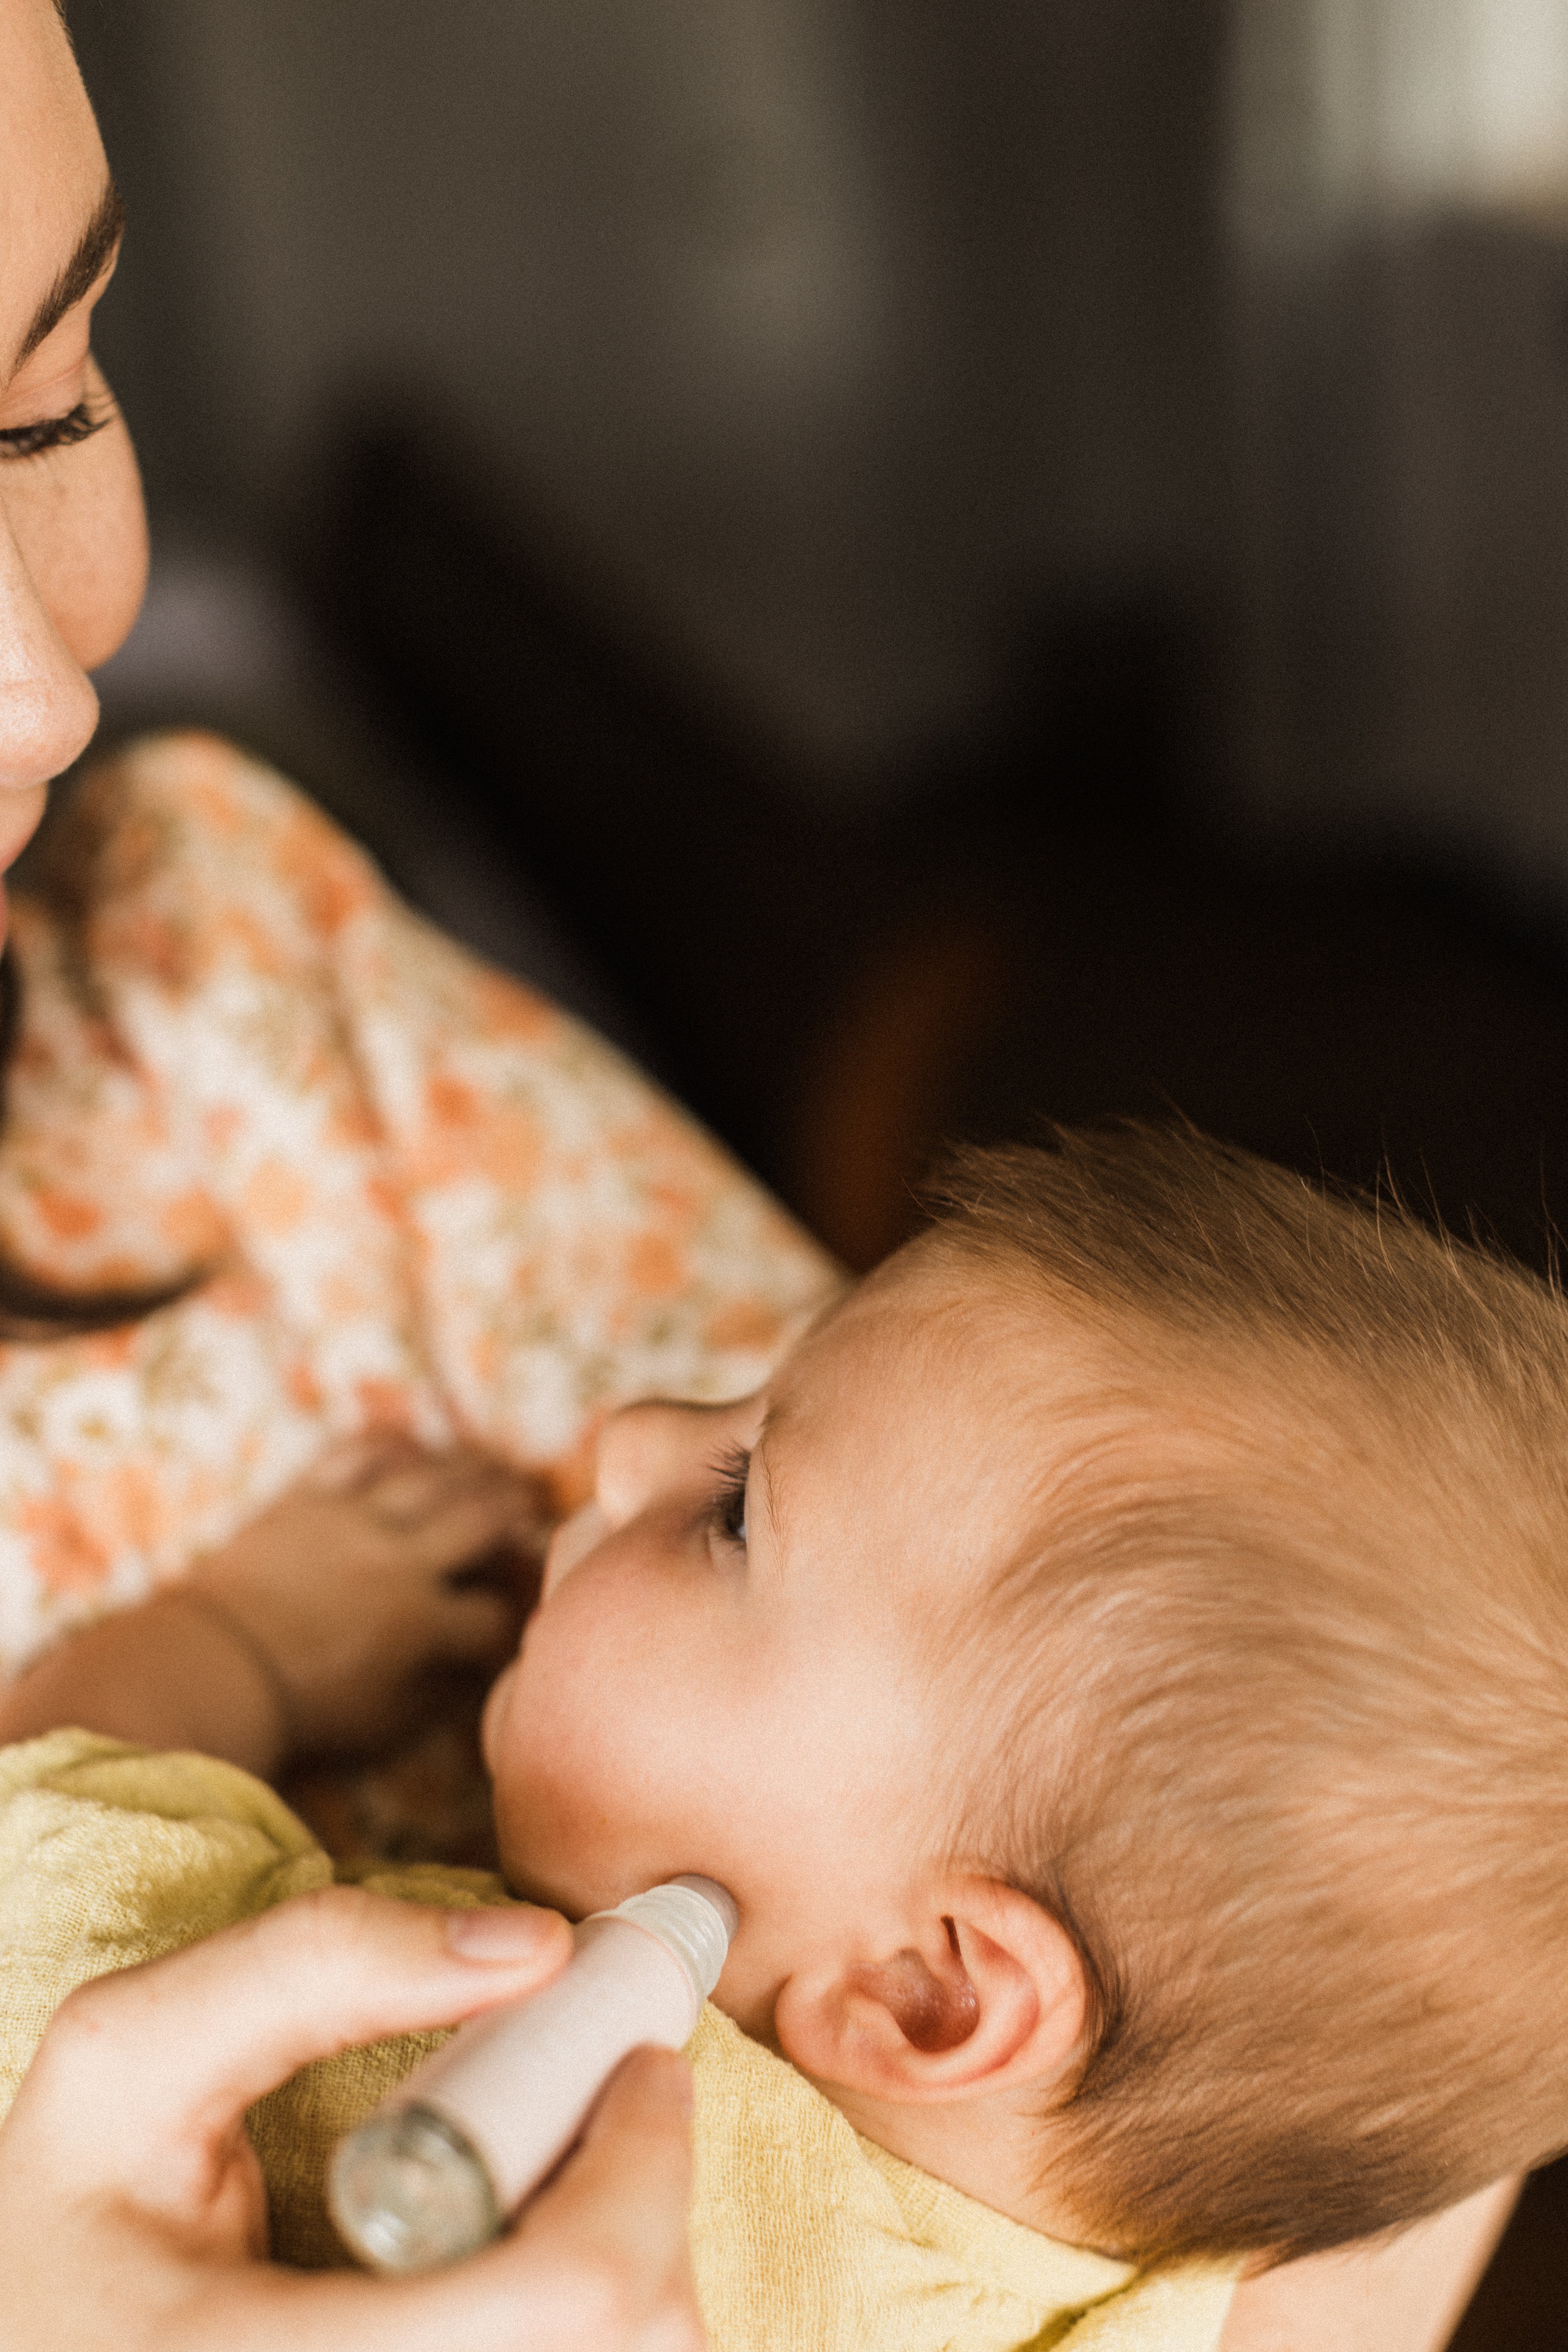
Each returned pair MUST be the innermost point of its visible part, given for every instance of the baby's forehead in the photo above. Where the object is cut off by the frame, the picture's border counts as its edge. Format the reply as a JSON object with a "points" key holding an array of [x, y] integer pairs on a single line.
{"points": [[987, 1378], [932, 1323], [943, 1380]]}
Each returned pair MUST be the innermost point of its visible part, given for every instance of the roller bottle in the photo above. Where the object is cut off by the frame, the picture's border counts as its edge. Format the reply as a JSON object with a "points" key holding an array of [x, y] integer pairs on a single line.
{"points": [[437, 2171]]}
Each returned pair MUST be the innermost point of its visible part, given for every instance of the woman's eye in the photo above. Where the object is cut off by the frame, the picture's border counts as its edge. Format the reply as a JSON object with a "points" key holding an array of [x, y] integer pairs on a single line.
{"points": [[79, 424], [730, 1502]]}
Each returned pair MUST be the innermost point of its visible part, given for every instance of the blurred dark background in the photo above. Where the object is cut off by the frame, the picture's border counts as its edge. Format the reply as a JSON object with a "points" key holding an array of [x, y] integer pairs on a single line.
{"points": [[927, 568]]}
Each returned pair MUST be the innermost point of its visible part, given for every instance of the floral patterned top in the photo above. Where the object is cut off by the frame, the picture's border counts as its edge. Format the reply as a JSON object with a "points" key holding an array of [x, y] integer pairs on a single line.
{"points": [[421, 1195]]}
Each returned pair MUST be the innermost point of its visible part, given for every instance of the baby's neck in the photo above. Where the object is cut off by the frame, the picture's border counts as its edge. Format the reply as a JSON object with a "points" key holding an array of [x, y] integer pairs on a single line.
{"points": [[990, 2150]]}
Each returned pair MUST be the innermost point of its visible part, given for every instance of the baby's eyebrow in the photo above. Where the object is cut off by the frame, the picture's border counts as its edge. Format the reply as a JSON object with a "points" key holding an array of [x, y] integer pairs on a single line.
{"points": [[767, 1462]]}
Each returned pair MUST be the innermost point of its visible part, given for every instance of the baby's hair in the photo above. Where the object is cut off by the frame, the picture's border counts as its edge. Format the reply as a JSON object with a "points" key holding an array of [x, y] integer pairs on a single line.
{"points": [[1282, 1688]]}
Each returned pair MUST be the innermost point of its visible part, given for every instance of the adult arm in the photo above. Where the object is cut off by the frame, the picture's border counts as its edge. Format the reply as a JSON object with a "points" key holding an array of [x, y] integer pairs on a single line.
{"points": [[312, 1628], [1407, 2295], [131, 2206], [166, 1674]]}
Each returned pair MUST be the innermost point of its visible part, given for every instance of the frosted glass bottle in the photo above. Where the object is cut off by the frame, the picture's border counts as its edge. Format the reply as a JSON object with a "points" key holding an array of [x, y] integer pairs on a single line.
{"points": [[437, 2170]]}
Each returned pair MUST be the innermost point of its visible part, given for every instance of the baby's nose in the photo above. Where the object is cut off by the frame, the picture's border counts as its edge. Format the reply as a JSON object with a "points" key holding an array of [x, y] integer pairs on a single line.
{"points": [[644, 1451], [572, 1541]]}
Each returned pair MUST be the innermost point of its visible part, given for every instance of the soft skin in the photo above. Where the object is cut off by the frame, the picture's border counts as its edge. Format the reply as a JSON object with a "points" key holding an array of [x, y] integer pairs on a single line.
{"points": [[762, 1703], [750, 1683], [73, 537]]}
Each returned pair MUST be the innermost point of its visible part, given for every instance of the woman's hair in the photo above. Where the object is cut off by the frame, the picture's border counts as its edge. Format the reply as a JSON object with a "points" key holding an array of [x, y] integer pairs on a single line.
{"points": [[30, 1306], [1279, 1668], [62, 871]]}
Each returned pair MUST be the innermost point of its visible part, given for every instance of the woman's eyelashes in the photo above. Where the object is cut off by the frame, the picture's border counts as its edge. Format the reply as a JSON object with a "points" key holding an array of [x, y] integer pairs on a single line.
{"points": [[79, 424], [727, 1513]]}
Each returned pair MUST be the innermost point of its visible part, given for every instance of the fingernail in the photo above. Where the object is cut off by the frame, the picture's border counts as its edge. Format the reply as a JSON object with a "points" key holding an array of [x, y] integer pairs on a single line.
{"points": [[503, 1934]]}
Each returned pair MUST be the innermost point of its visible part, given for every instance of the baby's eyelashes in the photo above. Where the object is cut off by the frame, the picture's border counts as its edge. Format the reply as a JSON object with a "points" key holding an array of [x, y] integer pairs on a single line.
{"points": [[732, 1468]]}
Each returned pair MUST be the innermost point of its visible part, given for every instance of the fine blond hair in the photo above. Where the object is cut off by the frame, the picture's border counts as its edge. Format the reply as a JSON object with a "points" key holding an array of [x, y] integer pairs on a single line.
{"points": [[1282, 1709]]}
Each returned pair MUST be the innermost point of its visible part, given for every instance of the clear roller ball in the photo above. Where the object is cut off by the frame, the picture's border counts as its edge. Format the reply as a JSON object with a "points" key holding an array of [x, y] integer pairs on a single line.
{"points": [[408, 2191]]}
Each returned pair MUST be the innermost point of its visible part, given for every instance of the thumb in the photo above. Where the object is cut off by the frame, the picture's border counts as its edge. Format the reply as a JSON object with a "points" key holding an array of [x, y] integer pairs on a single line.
{"points": [[601, 2259], [169, 2055]]}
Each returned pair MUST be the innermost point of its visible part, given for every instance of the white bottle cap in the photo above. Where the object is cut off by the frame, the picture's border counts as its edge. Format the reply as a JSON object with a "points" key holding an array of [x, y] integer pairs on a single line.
{"points": [[694, 1919]]}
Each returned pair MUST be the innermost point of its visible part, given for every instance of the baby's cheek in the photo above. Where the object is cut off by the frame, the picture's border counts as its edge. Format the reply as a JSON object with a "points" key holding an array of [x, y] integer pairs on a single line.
{"points": [[579, 1740], [545, 1753], [559, 1840]]}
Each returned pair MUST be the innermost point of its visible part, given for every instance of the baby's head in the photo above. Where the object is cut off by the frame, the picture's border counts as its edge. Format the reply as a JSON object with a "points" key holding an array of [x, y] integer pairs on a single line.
{"points": [[1119, 1664]]}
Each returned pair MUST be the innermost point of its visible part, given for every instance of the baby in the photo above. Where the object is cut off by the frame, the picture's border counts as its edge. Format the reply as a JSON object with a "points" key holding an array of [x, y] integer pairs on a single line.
{"points": [[1119, 1666]]}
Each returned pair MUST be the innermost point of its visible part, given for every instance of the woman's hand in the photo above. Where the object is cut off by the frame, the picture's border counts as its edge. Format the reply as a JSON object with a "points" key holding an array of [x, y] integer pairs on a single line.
{"points": [[316, 1626], [351, 1587], [132, 2214]]}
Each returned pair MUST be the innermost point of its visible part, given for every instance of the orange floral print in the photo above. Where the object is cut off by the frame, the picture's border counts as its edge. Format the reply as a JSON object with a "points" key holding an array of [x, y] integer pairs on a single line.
{"points": [[65, 1556], [426, 1198], [68, 1215]]}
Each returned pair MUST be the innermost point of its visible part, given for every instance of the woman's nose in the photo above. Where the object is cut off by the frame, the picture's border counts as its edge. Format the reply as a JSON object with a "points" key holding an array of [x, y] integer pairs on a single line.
{"points": [[47, 707]]}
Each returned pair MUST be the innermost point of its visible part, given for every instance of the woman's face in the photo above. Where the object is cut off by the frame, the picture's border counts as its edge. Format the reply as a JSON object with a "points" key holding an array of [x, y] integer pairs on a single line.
{"points": [[73, 538]]}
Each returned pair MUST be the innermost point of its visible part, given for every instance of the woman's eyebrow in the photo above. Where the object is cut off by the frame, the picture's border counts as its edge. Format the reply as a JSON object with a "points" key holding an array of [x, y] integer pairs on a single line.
{"points": [[95, 250]]}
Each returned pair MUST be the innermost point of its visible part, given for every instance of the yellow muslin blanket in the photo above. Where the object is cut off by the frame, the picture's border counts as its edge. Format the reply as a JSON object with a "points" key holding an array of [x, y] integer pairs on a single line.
{"points": [[806, 2238]]}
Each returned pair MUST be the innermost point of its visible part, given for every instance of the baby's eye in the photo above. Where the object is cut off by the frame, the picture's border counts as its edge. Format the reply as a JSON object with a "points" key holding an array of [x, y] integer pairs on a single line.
{"points": [[729, 1512]]}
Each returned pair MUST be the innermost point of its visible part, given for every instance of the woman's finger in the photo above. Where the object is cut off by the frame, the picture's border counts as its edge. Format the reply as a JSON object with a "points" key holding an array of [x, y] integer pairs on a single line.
{"points": [[601, 2262], [477, 1626], [468, 1524], [624, 2200], [166, 2058], [352, 1464], [405, 1493]]}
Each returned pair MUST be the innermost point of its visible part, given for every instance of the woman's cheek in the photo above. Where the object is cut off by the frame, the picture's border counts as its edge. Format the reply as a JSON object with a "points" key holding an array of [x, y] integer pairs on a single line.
{"points": [[80, 526]]}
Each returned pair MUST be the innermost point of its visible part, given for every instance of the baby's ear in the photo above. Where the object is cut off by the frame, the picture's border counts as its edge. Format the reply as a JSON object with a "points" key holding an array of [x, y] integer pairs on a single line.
{"points": [[986, 1994]]}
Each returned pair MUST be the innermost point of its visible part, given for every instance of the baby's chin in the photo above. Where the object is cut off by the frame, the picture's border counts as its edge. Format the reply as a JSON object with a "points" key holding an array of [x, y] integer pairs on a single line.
{"points": [[531, 1884], [561, 1873], [560, 1844]]}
